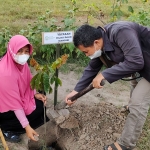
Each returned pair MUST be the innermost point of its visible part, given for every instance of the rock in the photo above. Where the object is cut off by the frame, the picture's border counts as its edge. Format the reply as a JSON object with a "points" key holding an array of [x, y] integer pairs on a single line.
{"points": [[83, 136], [116, 135], [109, 131], [60, 119], [64, 112], [83, 147], [70, 123]]}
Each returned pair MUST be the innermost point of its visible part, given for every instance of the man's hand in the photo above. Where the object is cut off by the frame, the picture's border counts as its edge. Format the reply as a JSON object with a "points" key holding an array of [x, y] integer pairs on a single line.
{"points": [[97, 80], [31, 133], [41, 97], [69, 102]]}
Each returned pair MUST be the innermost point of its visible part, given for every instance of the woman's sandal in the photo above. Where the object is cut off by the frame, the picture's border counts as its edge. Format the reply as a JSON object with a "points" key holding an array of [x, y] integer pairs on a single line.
{"points": [[11, 137], [116, 146]]}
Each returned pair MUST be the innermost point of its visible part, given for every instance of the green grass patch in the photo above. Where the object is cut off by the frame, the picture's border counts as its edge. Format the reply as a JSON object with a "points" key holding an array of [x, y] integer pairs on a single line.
{"points": [[18, 14], [144, 141]]}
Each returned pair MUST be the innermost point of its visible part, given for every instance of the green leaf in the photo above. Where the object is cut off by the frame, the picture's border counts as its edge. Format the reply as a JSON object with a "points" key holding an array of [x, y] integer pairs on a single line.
{"points": [[50, 89], [1, 39], [119, 14], [38, 81], [58, 82], [69, 21], [50, 70], [71, 47], [46, 82], [52, 80], [130, 9], [32, 83], [124, 1], [41, 85]]}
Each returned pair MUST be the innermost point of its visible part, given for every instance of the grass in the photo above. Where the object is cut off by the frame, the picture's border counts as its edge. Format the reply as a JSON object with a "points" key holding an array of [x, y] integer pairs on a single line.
{"points": [[18, 14], [144, 141]]}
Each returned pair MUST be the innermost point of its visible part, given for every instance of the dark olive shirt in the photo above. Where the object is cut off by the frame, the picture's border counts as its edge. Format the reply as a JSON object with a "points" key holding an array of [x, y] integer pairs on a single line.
{"points": [[128, 45]]}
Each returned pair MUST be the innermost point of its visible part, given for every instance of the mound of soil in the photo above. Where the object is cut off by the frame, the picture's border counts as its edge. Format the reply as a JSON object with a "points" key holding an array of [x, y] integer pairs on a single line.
{"points": [[91, 127]]}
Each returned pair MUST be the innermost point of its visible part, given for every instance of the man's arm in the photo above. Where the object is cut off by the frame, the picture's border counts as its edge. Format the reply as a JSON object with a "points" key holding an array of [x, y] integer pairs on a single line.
{"points": [[89, 74]]}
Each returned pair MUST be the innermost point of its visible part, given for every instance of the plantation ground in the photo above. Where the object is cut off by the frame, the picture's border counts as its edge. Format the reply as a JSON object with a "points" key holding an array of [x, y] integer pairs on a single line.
{"points": [[95, 119]]}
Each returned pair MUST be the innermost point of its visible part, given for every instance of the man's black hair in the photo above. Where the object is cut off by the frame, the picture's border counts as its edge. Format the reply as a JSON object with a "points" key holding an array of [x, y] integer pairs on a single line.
{"points": [[86, 35]]}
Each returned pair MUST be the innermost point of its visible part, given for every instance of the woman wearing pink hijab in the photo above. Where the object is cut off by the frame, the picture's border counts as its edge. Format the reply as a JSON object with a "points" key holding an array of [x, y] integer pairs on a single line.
{"points": [[21, 110]]}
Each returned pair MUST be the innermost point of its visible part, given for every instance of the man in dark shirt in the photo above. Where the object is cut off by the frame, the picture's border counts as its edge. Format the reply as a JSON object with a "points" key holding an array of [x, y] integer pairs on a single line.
{"points": [[124, 48]]}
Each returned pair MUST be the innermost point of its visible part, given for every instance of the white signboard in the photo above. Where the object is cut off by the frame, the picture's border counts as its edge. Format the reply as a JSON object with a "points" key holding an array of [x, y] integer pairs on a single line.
{"points": [[57, 37]]}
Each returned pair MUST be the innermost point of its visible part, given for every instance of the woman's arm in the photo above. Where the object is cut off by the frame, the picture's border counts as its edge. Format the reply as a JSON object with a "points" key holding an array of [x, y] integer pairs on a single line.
{"points": [[21, 117], [25, 124]]}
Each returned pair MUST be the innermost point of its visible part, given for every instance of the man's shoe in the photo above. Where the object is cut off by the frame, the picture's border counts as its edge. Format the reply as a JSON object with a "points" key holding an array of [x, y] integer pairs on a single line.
{"points": [[11, 137]]}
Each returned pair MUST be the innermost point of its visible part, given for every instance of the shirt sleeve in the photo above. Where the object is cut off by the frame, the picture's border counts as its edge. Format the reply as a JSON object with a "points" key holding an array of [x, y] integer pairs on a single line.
{"points": [[89, 73], [21, 117], [127, 40]]}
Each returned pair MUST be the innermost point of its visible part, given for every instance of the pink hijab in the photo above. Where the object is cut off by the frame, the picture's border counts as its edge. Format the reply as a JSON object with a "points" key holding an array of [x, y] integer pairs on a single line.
{"points": [[15, 90]]}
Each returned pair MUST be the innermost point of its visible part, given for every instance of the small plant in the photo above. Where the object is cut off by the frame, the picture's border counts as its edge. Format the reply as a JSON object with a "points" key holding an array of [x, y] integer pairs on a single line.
{"points": [[117, 12], [94, 11], [4, 38], [45, 76], [142, 17]]}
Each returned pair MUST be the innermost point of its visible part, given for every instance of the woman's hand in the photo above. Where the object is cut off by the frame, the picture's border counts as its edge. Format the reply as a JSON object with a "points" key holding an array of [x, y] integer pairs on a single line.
{"points": [[31, 133], [69, 102], [41, 97]]}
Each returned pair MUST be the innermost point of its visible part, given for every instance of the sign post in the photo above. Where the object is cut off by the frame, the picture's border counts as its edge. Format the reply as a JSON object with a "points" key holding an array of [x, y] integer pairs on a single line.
{"points": [[58, 38]]}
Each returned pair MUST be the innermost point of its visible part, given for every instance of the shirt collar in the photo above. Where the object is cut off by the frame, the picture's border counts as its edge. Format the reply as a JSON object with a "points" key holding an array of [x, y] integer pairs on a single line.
{"points": [[107, 47]]}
